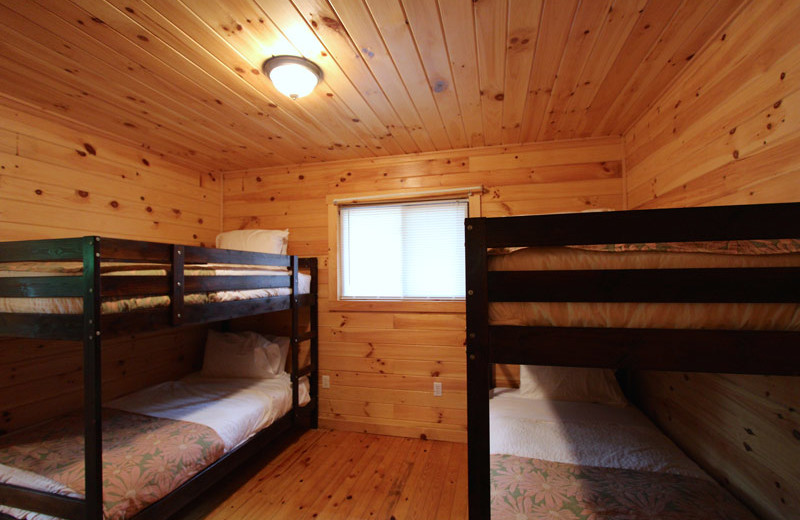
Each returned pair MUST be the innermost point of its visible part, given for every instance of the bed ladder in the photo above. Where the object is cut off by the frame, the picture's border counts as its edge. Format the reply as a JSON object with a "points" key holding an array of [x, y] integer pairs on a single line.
{"points": [[297, 302]]}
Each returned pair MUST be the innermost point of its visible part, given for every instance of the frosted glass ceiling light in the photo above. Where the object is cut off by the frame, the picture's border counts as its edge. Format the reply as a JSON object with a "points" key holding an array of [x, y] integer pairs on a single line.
{"points": [[292, 75]]}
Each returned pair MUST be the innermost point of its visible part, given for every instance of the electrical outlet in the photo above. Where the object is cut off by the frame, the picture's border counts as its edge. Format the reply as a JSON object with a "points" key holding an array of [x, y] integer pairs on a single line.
{"points": [[437, 389], [326, 381]]}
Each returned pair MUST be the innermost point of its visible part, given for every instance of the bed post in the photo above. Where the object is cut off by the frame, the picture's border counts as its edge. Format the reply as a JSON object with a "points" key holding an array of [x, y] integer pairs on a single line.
{"points": [[92, 397], [314, 319], [295, 309], [477, 369], [178, 283]]}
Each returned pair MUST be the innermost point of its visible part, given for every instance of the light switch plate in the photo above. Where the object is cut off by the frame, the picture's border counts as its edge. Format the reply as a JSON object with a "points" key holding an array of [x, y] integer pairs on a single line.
{"points": [[326, 381], [437, 389]]}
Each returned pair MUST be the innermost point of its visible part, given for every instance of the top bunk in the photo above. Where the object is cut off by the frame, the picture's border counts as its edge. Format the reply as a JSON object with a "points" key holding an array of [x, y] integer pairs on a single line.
{"points": [[57, 289], [670, 289]]}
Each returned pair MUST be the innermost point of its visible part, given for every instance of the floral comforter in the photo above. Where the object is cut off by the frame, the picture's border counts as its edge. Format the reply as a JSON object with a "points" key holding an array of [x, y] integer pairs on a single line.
{"points": [[532, 489], [144, 458]]}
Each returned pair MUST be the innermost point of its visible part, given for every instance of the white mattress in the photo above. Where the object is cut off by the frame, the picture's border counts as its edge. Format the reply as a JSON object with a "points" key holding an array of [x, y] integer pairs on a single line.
{"points": [[234, 408], [581, 433]]}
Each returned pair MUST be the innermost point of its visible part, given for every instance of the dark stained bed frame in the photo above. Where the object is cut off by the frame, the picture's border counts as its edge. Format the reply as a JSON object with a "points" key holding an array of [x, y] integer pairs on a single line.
{"points": [[90, 328], [721, 351]]}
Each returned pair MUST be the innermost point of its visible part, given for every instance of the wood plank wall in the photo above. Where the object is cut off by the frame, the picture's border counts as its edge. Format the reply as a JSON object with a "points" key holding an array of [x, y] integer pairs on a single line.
{"points": [[728, 132], [61, 181], [382, 364]]}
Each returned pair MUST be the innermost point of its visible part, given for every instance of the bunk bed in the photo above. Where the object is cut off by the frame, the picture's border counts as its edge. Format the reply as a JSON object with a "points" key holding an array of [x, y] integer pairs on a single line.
{"points": [[91, 288], [536, 338]]}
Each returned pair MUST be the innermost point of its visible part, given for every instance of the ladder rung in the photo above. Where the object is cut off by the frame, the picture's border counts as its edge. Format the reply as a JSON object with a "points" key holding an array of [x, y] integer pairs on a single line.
{"points": [[306, 336]]}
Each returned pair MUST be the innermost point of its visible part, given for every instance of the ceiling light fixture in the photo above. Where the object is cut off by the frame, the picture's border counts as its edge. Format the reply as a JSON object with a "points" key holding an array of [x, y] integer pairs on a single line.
{"points": [[292, 75]]}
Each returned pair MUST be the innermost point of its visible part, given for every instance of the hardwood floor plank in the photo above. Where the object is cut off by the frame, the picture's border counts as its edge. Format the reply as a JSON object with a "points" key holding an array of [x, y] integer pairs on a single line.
{"points": [[355, 484], [460, 500], [401, 474], [382, 479], [316, 479], [414, 487], [322, 497], [279, 484], [458, 458], [330, 475]]}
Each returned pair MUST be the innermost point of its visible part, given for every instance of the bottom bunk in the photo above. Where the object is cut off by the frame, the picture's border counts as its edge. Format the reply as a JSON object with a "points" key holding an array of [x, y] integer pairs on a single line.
{"points": [[164, 439], [589, 454]]}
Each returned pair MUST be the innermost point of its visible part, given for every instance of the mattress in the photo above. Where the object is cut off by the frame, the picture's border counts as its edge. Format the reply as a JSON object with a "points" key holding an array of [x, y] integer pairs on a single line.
{"points": [[154, 439], [583, 461], [74, 305], [744, 316], [234, 408], [588, 434]]}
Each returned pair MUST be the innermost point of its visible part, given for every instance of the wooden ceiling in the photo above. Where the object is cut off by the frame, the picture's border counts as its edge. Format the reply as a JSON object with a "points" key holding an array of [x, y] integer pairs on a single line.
{"points": [[183, 79]]}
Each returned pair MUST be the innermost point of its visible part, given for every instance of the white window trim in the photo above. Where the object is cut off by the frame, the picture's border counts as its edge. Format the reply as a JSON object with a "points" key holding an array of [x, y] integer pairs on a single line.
{"points": [[473, 196]]}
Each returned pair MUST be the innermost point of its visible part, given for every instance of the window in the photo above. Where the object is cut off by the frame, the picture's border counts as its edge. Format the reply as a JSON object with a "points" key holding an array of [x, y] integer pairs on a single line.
{"points": [[409, 250]]}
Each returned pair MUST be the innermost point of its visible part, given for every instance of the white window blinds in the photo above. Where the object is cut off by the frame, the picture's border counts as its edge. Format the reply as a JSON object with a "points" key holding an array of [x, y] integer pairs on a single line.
{"points": [[411, 250]]}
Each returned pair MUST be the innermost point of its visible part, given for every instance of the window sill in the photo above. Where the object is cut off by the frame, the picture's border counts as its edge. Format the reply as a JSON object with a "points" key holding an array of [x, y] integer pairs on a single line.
{"points": [[445, 307]]}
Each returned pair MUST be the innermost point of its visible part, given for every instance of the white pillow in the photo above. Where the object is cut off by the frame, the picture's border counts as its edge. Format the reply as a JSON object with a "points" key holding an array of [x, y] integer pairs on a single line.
{"points": [[593, 385], [275, 241], [242, 354], [283, 345]]}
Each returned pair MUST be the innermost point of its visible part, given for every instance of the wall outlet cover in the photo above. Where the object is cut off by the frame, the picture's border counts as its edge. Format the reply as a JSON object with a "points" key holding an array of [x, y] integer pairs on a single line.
{"points": [[437, 389], [326, 381]]}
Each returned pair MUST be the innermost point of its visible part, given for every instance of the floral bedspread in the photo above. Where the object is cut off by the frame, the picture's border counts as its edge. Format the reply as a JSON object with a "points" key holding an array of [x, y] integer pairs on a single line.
{"points": [[722, 247], [728, 247], [528, 489], [144, 458]]}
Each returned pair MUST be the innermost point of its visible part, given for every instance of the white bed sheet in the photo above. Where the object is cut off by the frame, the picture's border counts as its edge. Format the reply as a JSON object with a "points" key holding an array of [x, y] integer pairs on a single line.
{"points": [[581, 433]]}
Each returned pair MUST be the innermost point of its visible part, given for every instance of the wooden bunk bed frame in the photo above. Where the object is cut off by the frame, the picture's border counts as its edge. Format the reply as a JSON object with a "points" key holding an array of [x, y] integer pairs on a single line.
{"points": [[721, 351], [91, 327]]}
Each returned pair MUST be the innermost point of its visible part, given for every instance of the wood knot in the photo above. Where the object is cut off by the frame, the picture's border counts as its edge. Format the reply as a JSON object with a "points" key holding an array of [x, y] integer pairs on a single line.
{"points": [[331, 23]]}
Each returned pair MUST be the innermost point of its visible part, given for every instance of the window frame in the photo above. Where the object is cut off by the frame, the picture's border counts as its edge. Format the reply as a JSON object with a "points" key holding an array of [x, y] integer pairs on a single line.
{"points": [[471, 194]]}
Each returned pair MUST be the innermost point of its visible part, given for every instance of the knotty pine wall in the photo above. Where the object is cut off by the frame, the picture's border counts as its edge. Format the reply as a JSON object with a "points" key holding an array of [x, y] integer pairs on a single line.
{"points": [[61, 181], [728, 132], [382, 365]]}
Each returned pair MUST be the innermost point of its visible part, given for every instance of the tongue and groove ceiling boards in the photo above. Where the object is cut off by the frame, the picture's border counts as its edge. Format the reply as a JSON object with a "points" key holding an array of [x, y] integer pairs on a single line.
{"points": [[183, 78]]}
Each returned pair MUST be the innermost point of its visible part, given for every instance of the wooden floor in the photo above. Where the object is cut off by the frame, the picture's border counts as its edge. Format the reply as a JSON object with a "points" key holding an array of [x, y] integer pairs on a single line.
{"points": [[327, 475]]}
